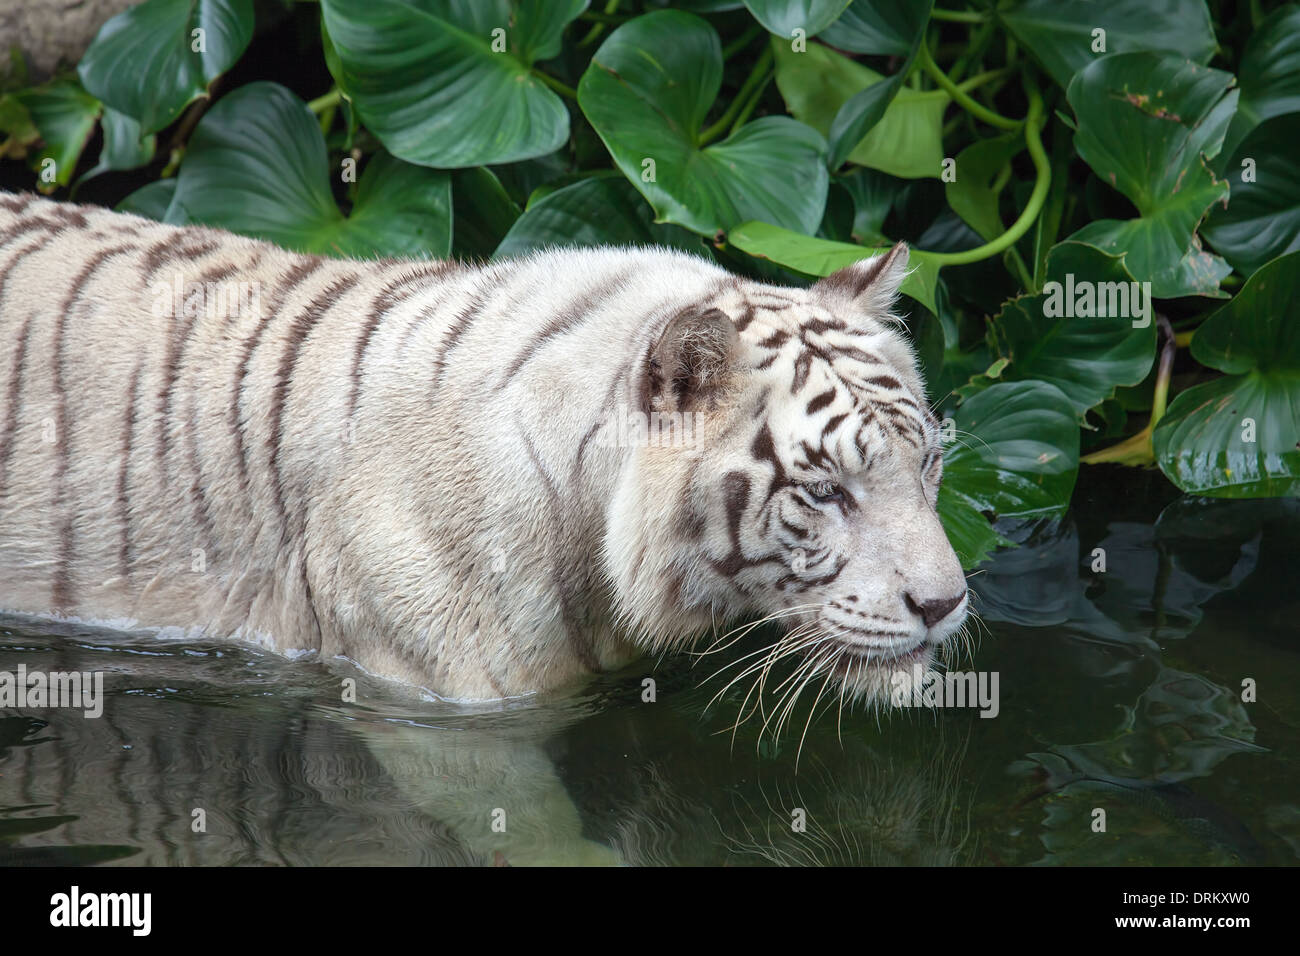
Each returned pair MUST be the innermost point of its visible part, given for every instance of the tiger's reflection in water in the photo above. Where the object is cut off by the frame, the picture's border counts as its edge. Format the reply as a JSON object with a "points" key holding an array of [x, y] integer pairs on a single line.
{"points": [[283, 772]]}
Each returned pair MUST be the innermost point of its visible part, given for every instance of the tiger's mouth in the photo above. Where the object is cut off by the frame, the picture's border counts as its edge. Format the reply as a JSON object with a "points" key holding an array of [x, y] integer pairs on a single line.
{"points": [[905, 653], [854, 661]]}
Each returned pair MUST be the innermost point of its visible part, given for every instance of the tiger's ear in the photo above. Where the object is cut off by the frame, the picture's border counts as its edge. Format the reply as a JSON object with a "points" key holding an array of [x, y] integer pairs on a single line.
{"points": [[690, 361], [868, 286]]}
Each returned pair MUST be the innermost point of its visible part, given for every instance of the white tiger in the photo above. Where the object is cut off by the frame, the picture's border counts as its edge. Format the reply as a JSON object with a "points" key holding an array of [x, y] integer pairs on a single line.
{"points": [[484, 480], [487, 481]]}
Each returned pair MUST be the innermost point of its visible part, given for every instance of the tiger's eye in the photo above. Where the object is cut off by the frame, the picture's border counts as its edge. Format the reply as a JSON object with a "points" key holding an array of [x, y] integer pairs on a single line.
{"points": [[824, 491]]}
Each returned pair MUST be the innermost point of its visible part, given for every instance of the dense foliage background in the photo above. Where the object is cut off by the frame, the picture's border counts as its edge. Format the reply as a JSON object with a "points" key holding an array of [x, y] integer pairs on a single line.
{"points": [[1026, 149]]}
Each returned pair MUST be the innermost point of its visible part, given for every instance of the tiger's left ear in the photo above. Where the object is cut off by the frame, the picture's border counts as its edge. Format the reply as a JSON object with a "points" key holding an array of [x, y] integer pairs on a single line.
{"points": [[690, 361], [870, 285]]}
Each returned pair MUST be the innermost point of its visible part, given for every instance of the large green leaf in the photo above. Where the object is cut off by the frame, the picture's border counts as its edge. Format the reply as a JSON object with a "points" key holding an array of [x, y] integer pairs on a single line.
{"points": [[1269, 75], [65, 115], [1061, 35], [426, 80], [821, 257], [783, 17], [592, 212], [1146, 124], [882, 27], [257, 165], [1262, 220], [153, 60], [1239, 436], [863, 110], [1015, 455], [647, 92], [1061, 335], [906, 139]]}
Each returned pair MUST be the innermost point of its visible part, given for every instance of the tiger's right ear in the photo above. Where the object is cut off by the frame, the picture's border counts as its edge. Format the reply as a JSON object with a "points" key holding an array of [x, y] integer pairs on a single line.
{"points": [[688, 365], [868, 286]]}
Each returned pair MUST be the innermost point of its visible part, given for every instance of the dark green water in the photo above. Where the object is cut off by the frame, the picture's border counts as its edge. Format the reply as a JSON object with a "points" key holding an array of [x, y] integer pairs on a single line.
{"points": [[1119, 691]]}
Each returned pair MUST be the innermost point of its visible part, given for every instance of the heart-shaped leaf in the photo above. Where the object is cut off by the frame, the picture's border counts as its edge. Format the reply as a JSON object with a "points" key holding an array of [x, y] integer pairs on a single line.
{"points": [[1146, 126], [1089, 331], [1015, 455], [65, 115], [1262, 220], [153, 60], [124, 146], [593, 212], [1269, 75], [1066, 37], [784, 17], [647, 92], [1239, 436], [449, 83], [821, 257], [257, 165], [905, 139]]}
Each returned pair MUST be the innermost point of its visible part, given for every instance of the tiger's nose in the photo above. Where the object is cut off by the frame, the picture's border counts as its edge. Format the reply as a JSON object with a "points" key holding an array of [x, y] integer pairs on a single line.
{"points": [[932, 612]]}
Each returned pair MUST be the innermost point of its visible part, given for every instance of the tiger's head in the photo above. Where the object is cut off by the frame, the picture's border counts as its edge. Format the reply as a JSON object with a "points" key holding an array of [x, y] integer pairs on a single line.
{"points": [[797, 482]]}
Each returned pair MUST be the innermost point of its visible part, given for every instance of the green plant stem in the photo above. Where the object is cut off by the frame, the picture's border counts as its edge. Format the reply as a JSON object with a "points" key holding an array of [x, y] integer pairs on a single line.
{"points": [[979, 79], [1137, 449], [980, 112], [1003, 176], [326, 102], [173, 162], [189, 120], [566, 91], [742, 41], [743, 116], [1042, 181], [1026, 280], [958, 16], [597, 29], [1049, 223], [757, 76]]}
